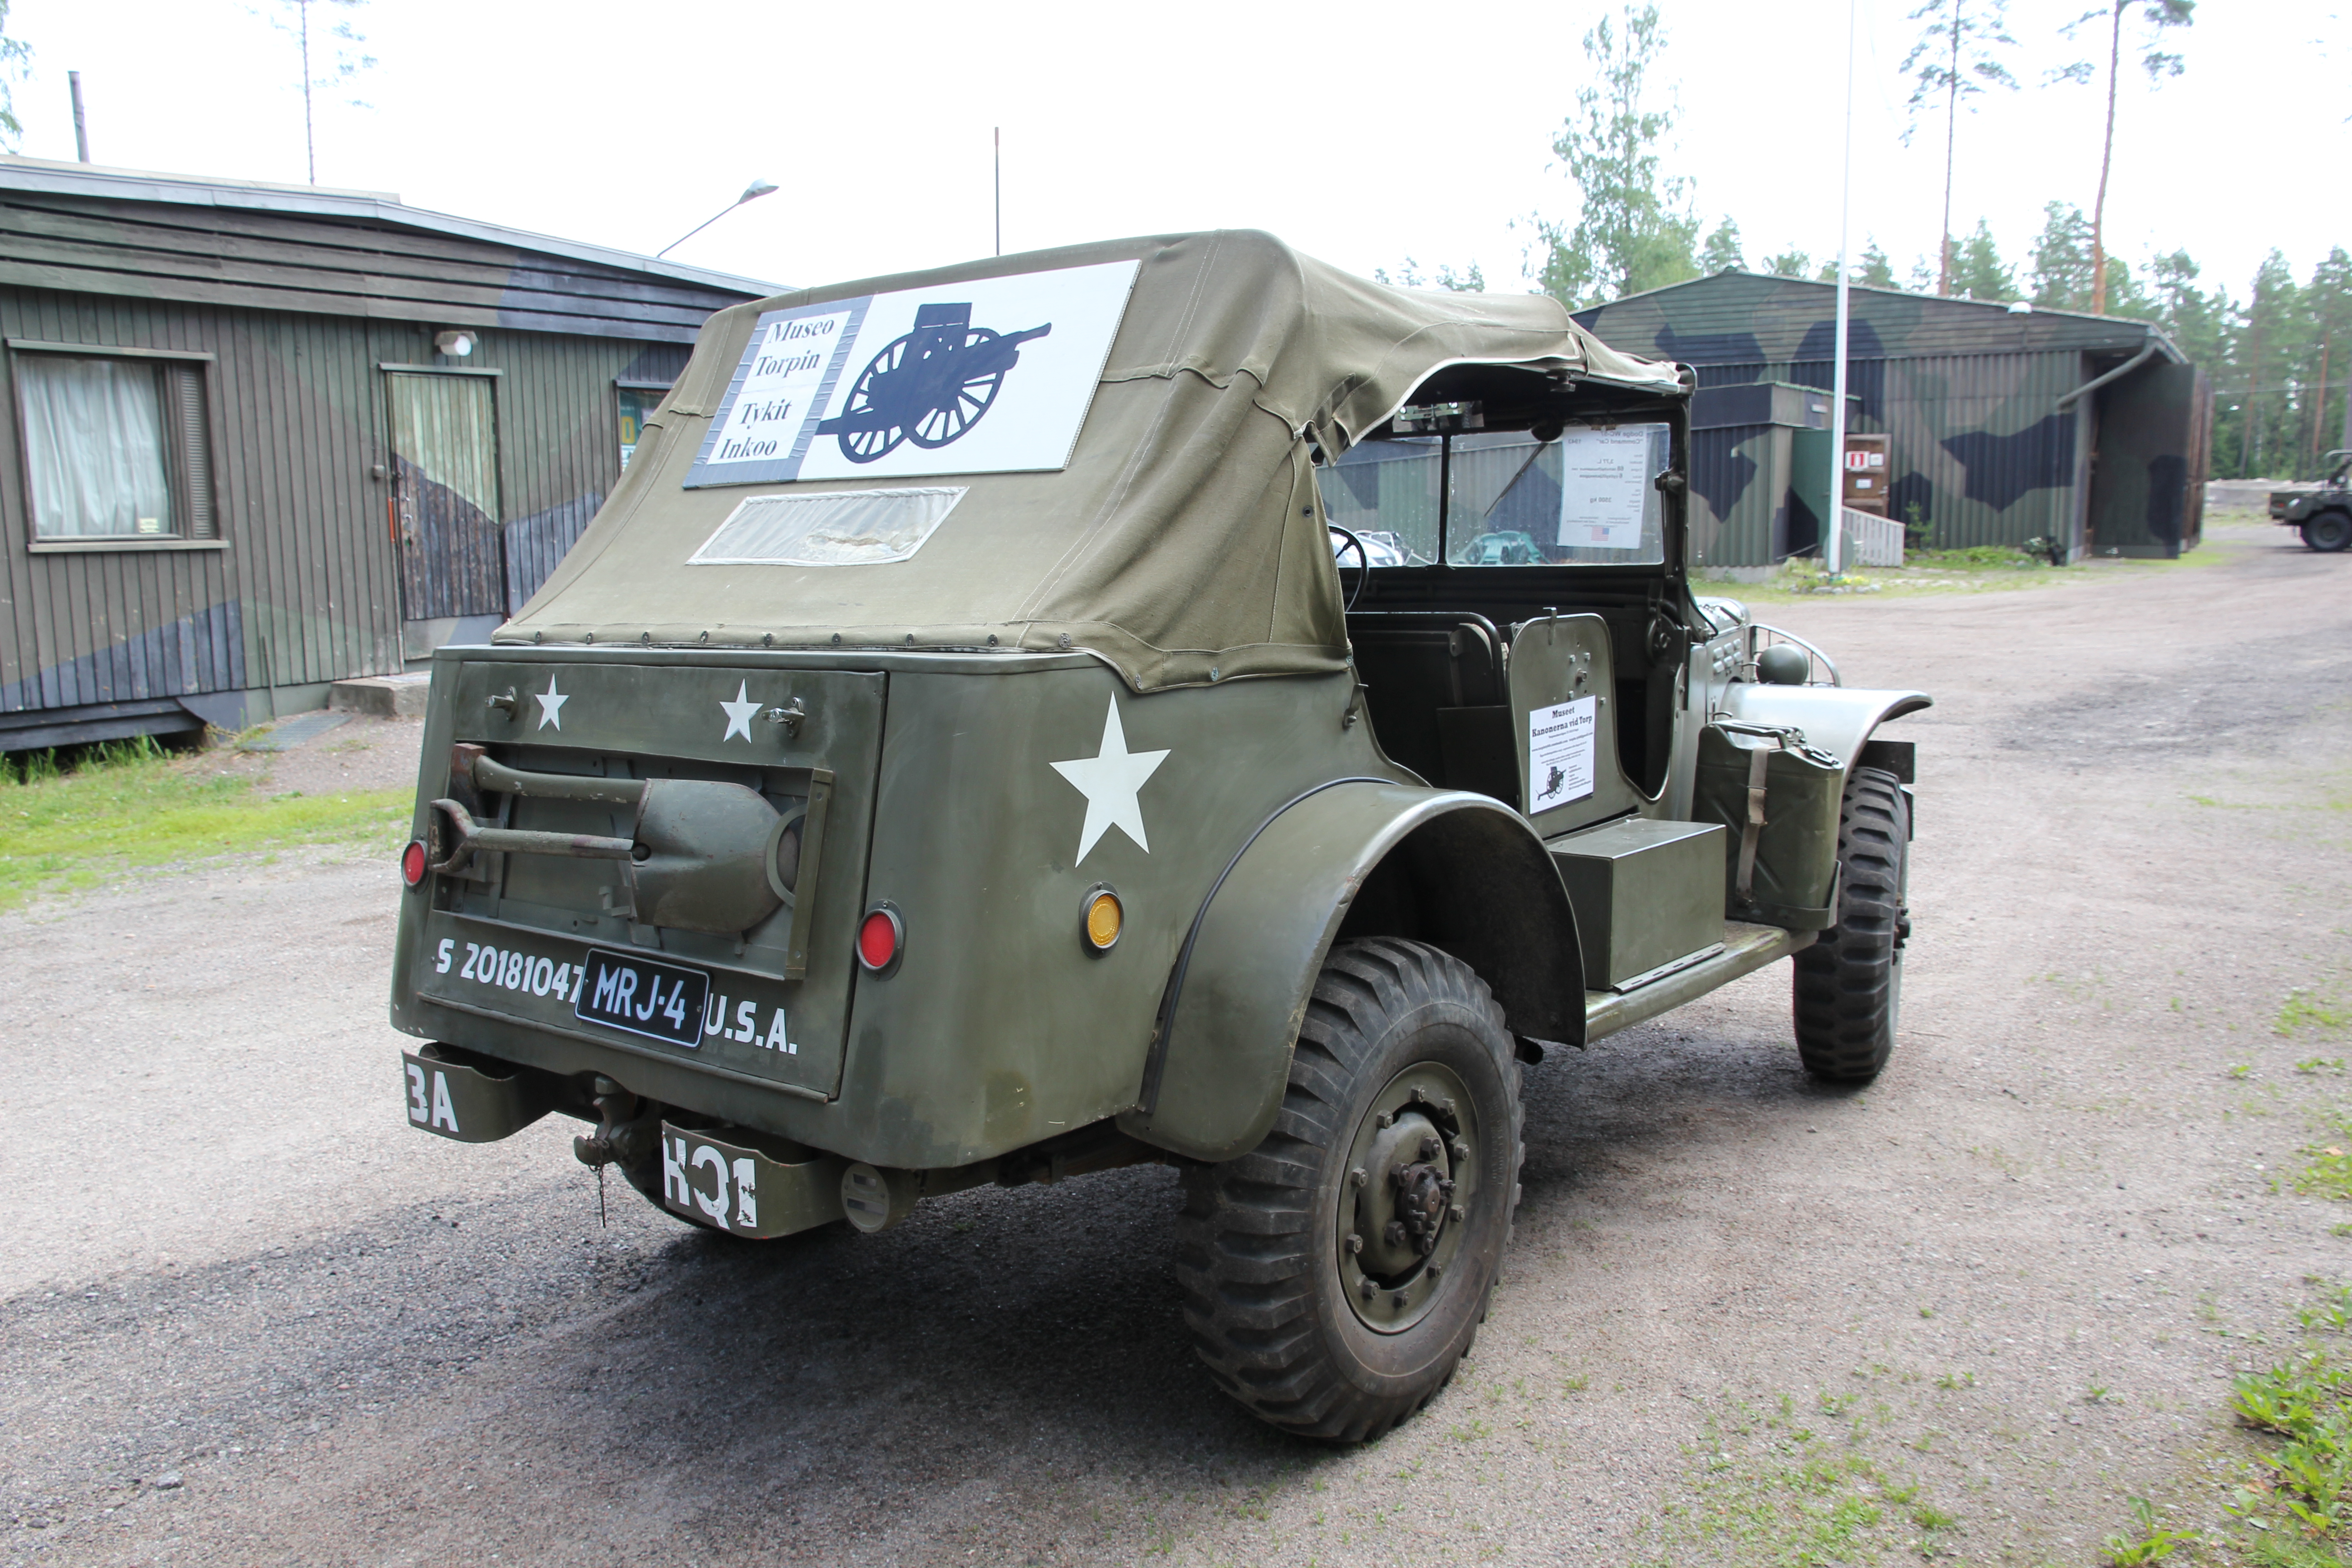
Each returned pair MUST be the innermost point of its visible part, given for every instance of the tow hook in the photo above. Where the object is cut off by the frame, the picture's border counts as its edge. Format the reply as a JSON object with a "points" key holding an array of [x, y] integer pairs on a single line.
{"points": [[627, 1135]]}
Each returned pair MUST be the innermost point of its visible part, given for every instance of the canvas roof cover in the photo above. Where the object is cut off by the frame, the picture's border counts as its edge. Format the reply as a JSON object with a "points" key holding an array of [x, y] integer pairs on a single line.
{"points": [[1182, 543]]}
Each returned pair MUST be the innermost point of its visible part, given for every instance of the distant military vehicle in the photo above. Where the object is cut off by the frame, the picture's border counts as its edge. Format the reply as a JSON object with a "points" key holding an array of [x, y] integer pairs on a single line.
{"points": [[846, 825], [2324, 516]]}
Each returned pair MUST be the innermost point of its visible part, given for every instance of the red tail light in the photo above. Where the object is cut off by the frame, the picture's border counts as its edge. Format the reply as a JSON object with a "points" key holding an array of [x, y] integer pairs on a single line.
{"points": [[880, 936], [412, 862]]}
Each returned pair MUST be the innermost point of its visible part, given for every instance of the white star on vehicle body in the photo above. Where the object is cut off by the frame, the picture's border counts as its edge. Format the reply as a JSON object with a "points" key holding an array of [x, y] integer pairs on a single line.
{"points": [[739, 713], [1110, 780], [551, 705]]}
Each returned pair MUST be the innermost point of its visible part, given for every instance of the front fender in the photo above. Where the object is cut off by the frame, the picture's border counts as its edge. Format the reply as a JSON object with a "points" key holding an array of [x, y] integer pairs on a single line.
{"points": [[1477, 882], [1837, 719]]}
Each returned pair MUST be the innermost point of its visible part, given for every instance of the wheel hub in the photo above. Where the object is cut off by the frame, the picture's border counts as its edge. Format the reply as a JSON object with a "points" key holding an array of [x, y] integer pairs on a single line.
{"points": [[1409, 1179]]}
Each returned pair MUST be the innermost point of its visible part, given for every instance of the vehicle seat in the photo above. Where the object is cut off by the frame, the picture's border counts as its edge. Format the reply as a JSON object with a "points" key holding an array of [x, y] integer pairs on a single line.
{"points": [[1435, 693]]}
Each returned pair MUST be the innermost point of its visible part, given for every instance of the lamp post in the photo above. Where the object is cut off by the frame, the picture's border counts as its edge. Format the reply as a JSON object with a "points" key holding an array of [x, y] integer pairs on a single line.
{"points": [[751, 193], [1834, 555]]}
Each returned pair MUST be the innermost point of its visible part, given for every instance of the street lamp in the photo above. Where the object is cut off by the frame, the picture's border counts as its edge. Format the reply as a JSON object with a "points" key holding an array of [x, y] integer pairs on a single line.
{"points": [[751, 193]]}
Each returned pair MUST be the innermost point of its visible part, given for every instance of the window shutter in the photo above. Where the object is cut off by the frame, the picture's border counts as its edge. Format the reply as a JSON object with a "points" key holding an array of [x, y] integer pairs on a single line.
{"points": [[192, 437]]}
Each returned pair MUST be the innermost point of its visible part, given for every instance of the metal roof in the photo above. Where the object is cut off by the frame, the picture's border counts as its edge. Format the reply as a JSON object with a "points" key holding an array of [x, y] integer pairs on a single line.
{"points": [[56, 178]]}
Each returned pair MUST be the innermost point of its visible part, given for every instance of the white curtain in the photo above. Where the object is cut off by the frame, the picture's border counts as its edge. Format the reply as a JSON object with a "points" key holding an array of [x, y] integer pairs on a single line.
{"points": [[94, 436]]}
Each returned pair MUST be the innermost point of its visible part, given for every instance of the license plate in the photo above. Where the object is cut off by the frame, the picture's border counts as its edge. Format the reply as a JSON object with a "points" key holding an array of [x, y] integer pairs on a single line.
{"points": [[660, 1001]]}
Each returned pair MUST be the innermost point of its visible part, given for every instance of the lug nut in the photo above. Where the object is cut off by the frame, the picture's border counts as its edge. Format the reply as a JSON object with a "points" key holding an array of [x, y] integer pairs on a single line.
{"points": [[1461, 1149], [1368, 1288], [1455, 1212], [1388, 1119], [1430, 1146], [1394, 1234], [1358, 1177], [1355, 1242], [1436, 1270], [1400, 1299]]}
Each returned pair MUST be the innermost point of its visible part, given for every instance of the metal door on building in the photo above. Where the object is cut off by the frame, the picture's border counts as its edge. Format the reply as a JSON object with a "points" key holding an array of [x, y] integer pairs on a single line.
{"points": [[445, 495]]}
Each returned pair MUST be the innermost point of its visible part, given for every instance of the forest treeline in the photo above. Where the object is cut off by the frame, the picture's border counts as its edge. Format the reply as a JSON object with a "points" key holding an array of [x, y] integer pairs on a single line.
{"points": [[2279, 354]]}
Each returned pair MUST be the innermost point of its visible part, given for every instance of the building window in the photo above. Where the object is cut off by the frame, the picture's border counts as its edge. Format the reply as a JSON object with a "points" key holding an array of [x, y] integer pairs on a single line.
{"points": [[116, 447], [639, 400]]}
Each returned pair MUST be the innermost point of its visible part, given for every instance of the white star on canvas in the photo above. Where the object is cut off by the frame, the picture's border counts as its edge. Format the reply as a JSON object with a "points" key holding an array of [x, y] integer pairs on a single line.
{"points": [[551, 705], [1109, 781], [739, 713]]}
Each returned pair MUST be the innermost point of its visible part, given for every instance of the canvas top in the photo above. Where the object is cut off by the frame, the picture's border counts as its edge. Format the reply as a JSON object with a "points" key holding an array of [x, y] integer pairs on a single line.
{"points": [[1109, 448]]}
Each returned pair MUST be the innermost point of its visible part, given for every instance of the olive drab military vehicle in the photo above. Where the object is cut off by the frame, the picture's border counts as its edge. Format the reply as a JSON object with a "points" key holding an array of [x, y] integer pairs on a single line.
{"points": [[1072, 710], [2324, 516]]}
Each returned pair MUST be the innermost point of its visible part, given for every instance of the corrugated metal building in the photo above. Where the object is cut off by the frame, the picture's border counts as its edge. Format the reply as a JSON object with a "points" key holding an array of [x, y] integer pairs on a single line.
{"points": [[242, 466], [2003, 424]]}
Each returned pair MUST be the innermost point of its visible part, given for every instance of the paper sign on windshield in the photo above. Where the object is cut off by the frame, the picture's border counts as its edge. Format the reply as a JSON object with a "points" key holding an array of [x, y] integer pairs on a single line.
{"points": [[1604, 486], [1559, 752], [991, 375]]}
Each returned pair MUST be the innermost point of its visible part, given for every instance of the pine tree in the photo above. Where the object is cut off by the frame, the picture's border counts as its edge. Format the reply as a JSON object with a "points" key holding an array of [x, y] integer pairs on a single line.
{"points": [[1876, 271], [1956, 57], [2155, 16], [1974, 269], [1722, 253], [1636, 230]]}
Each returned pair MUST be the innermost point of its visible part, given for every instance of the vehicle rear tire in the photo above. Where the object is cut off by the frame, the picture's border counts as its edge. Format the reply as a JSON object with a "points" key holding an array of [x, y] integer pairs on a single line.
{"points": [[2328, 532], [1848, 987], [1405, 1072]]}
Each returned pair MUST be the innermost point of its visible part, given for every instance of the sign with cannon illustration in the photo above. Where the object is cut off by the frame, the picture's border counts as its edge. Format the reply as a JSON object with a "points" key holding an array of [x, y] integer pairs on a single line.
{"points": [[991, 375]]}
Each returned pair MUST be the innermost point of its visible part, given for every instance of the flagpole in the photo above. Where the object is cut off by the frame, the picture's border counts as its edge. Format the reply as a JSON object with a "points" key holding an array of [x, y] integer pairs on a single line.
{"points": [[1834, 552]]}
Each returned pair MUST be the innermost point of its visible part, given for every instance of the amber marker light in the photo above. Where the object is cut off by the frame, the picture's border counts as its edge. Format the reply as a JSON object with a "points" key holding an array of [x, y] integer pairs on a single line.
{"points": [[1104, 919], [881, 936], [412, 862]]}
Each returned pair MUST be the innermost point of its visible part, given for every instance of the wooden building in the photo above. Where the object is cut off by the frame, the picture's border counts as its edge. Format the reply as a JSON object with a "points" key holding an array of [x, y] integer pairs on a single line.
{"points": [[1994, 424], [265, 437]]}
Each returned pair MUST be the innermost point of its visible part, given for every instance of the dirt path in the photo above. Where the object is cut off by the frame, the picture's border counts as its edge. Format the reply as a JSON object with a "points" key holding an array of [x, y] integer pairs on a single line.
{"points": [[1742, 1314]]}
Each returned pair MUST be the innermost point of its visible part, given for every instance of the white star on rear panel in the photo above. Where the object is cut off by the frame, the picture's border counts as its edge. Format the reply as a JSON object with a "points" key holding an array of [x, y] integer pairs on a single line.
{"points": [[739, 713], [551, 705], [1110, 780]]}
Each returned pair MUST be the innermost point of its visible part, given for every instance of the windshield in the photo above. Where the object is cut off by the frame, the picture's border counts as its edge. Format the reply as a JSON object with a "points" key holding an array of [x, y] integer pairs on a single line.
{"points": [[1586, 498]]}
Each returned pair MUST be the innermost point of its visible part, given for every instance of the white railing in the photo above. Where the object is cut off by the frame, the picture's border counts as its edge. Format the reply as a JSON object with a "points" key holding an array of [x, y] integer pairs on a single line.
{"points": [[1872, 541]]}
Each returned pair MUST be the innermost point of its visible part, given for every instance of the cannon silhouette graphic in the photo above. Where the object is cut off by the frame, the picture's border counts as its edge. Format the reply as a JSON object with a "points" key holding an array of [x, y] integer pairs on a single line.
{"points": [[928, 387]]}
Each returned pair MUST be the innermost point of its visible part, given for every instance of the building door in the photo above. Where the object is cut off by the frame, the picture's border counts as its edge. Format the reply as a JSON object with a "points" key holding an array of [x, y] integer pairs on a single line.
{"points": [[445, 495]]}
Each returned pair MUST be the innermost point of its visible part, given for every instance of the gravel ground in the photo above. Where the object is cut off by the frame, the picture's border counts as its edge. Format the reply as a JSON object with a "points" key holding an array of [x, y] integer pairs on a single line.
{"points": [[247, 1316]]}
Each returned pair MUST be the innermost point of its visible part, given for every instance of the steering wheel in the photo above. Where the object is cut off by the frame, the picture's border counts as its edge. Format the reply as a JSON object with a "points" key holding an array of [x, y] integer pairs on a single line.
{"points": [[1363, 560]]}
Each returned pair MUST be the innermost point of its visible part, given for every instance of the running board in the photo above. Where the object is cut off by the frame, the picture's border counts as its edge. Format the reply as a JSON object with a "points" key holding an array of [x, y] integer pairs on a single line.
{"points": [[1745, 948]]}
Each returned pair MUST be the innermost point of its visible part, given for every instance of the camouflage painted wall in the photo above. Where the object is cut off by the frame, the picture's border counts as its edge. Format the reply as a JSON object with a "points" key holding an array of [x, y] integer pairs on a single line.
{"points": [[300, 587], [1967, 393]]}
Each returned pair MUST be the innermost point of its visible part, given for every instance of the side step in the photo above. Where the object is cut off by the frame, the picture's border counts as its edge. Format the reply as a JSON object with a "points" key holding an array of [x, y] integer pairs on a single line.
{"points": [[1745, 948]]}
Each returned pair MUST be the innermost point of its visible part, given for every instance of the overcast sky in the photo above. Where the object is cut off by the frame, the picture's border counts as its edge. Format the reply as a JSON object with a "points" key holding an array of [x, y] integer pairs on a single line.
{"points": [[1362, 134]]}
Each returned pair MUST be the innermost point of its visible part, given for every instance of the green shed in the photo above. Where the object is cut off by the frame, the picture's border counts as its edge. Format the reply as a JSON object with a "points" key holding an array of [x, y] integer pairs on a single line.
{"points": [[2004, 423]]}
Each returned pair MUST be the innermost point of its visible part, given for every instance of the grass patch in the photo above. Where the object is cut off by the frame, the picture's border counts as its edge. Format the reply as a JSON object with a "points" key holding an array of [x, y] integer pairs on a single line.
{"points": [[1765, 1488], [124, 806], [2300, 1496], [2302, 1010], [2329, 1173]]}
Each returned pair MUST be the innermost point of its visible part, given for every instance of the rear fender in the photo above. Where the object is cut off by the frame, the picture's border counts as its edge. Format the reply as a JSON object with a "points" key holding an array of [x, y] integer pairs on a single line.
{"points": [[1455, 869]]}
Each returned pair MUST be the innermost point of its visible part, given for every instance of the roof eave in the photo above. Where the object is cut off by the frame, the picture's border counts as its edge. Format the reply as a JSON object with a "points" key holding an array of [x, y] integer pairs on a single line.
{"points": [[374, 206]]}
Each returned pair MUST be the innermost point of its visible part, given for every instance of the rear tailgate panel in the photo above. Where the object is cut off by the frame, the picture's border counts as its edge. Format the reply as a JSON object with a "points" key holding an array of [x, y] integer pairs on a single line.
{"points": [[495, 943]]}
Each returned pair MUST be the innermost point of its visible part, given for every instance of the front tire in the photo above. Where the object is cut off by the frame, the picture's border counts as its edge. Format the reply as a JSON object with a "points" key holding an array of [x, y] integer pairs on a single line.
{"points": [[1335, 1275], [1848, 989], [2328, 532]]}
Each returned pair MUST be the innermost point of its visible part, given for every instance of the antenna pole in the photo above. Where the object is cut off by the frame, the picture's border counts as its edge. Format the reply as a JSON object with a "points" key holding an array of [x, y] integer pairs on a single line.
{"points": [[81, 135], [1000, 189]]}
